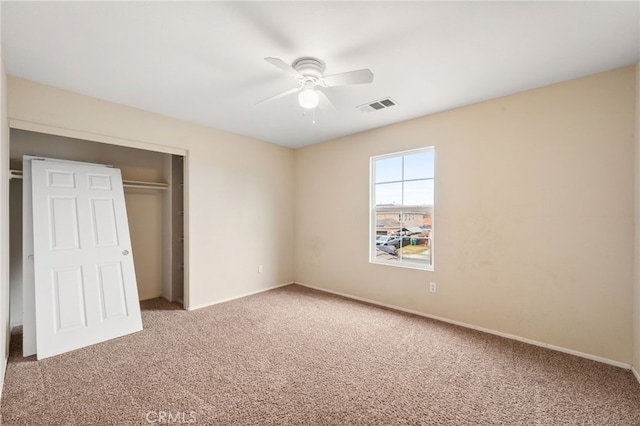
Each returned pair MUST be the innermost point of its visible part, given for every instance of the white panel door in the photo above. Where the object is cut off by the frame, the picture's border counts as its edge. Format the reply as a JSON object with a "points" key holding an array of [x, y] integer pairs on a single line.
{"points": [[85, 285]]}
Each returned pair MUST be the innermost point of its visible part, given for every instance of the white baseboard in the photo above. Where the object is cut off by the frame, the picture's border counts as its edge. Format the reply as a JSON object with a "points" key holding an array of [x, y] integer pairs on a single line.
{"points": [[251, 293], [635, 373], [484, 330]]}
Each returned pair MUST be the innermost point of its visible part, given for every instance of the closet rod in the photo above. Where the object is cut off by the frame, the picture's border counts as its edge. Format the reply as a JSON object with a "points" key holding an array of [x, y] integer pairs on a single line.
{"points": [[145, 185], [161, 186], [17, 174]]}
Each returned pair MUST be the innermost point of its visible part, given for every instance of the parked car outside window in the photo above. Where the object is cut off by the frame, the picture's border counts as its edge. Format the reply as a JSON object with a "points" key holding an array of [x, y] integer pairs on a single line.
{"points": [[390, 240]]}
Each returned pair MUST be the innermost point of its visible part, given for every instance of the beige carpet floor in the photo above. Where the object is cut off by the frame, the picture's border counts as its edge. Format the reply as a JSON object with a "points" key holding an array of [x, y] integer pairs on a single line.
{"points": [[295, 356]]}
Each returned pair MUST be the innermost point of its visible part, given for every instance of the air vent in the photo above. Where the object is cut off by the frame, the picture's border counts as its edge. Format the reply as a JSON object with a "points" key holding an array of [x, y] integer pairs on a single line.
{"points": [[377, 105]]}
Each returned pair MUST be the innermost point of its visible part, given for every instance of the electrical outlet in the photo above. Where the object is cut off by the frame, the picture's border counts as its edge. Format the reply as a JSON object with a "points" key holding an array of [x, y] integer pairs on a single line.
{"points": [[432, 287], [259, 269]]}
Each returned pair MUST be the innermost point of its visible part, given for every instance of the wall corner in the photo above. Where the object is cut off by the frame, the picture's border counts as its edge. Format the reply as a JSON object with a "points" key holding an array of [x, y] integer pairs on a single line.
{"points": [[635, 338]]}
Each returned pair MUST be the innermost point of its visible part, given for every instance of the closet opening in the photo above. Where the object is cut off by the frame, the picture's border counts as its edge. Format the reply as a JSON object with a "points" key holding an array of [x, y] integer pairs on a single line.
{"points": [[154, 195]]}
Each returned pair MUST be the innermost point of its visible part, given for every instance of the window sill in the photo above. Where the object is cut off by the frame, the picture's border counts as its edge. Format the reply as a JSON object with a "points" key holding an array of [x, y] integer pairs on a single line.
{"points": [[402, 265]]}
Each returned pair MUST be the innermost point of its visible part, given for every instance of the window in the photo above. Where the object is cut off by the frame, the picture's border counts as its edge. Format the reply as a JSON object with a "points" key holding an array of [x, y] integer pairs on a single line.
{"points": [[402, 193]]}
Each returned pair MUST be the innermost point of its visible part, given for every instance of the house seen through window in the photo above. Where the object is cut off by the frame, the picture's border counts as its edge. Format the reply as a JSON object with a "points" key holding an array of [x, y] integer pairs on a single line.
{"points": [[402, 199]]}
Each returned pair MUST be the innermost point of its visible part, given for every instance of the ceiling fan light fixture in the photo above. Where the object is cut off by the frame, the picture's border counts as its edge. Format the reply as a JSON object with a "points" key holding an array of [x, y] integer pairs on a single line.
{"points": [[309, 73], [308, 98]]}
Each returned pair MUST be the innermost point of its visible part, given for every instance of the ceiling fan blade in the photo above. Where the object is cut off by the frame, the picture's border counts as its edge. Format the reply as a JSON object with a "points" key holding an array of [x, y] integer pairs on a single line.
{"points": [[325, 100], [279, 95], [363, 76], [282, 65]]}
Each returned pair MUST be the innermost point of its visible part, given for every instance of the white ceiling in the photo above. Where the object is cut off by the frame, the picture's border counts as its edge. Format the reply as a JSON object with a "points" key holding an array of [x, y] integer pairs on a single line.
{"points": [[203, 62]]}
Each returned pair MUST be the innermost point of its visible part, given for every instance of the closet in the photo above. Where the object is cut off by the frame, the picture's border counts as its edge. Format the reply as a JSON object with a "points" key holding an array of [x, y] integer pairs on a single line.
{"points": [[154, 187]]}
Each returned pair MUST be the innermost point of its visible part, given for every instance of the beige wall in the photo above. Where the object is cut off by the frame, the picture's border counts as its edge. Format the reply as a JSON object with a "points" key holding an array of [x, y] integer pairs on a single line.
{"points": [[239, 190], [636, 281], [533, 222]]}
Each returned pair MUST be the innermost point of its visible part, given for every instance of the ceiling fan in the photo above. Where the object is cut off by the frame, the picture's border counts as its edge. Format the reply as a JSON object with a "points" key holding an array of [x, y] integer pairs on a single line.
{"points": [[308, 72]]}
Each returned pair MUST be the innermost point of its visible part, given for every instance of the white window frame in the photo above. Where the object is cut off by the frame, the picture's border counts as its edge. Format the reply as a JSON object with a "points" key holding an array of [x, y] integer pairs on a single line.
{"points": [[397, 209]]}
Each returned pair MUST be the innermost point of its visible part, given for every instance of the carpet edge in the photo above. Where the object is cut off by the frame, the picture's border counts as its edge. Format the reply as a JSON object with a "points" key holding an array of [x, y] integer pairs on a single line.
{"points": [[482, 329], [251, 293]]}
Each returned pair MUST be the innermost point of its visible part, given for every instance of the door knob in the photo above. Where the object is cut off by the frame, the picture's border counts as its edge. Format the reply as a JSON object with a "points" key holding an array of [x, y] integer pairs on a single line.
{"points": [[125, 252]]}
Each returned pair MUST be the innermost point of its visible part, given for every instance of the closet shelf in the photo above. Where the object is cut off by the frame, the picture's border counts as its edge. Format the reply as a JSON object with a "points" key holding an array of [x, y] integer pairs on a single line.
{"points": [[17, 174]]}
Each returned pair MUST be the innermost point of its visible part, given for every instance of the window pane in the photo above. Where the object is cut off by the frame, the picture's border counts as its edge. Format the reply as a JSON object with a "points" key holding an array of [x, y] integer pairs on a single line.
{"points": [[418, 193], [389, 194], [389, 169], [387, 223], [416, 251], [403, 238], [418, 166], [388, 229]]}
